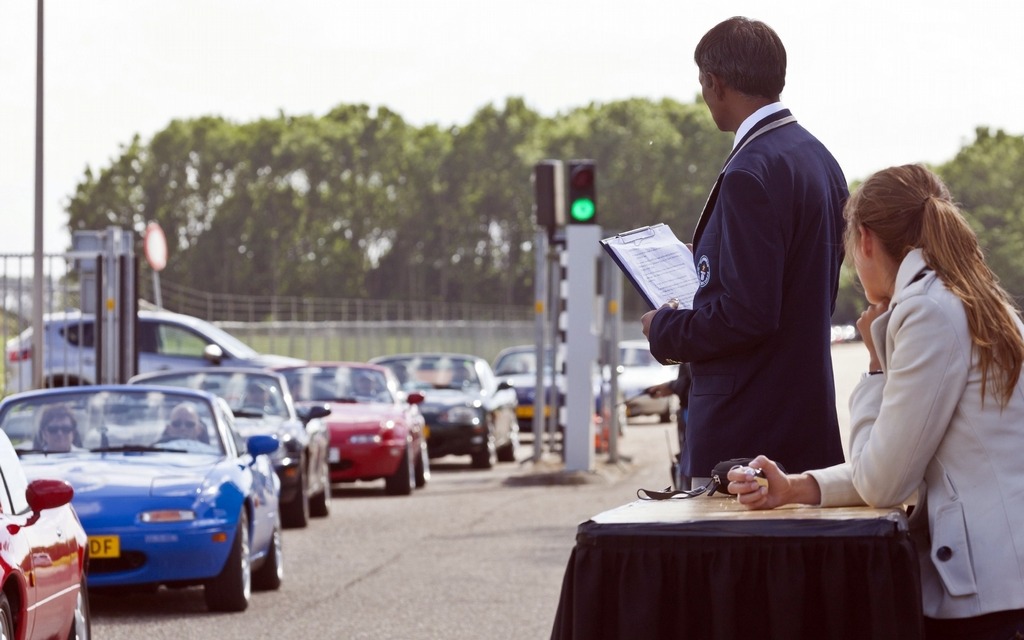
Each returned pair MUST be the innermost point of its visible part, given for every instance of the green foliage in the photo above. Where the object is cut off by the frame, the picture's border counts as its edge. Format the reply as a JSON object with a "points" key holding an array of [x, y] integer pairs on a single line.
{"points": [[987, 179], [357, 203]]}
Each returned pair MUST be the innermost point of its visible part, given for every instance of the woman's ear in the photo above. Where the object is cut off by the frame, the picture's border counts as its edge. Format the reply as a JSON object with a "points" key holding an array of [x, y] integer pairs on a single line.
{"points": [[866, 242]]}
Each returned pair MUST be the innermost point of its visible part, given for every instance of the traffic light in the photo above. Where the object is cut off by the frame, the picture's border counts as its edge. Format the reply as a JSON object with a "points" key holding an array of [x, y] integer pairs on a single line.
{"points": [[582, 192], [549, 185]]}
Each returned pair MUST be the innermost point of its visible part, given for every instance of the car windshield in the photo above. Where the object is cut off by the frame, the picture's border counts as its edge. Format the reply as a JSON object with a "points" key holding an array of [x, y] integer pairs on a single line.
{"points": [[247, 393], [338, 384], [433, 372], [229, 342], [522, 361], [637, 357], [111, 420]]}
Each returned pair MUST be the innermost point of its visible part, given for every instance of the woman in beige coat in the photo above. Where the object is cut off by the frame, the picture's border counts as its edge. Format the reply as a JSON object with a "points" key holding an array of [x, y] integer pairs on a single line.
{"points": [[940, 411]]}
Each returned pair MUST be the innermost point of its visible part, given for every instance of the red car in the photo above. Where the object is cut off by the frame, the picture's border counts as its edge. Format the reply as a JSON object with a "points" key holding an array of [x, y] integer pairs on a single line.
{"points": [[42, 556], [376, 430]]}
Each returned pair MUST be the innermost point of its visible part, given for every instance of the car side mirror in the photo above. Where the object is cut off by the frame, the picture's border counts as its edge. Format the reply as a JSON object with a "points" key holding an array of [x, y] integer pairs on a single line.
{"points": [[261, 445], [213, 353], [44, 494], [313, 411], [415, 397]]}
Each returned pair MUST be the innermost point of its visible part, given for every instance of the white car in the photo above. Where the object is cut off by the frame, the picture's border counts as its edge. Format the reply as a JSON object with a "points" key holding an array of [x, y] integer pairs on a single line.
{"points": [[638, 370], [165, 341]]}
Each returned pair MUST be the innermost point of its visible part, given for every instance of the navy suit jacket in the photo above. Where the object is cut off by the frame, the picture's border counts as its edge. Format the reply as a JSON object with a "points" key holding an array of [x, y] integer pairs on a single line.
{"points": [[768, 250]]}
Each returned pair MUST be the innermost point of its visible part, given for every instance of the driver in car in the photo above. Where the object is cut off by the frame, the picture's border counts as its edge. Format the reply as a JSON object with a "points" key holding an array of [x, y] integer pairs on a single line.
{"points": [[58, 430]]}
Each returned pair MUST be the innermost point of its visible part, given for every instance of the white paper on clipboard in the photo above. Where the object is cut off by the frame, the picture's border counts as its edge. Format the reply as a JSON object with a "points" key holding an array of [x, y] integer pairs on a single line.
{"points": [[656, 263]]}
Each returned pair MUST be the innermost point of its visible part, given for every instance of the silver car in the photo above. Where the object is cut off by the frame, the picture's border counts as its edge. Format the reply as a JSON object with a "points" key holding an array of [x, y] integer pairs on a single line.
{"points": [[165, 341]]}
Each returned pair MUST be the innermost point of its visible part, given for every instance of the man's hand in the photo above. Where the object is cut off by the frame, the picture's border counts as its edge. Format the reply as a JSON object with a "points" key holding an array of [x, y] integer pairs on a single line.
{"points": [[659, 390]]}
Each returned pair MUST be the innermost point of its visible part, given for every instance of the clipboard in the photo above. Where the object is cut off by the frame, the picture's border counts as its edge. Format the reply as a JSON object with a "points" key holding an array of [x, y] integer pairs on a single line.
{"points": [[656, 263]]}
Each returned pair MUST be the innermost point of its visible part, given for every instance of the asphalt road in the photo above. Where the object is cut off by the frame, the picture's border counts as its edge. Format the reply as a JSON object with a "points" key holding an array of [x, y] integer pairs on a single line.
{"points": [[476, 554]]}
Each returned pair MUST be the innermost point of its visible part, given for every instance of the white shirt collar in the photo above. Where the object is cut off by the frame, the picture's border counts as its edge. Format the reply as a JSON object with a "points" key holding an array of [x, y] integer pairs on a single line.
{"points": [[754, 118]]}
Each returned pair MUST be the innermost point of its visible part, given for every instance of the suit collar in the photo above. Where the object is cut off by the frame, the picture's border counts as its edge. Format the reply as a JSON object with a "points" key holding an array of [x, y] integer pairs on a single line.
{"points": [[751, 121], [756, 128]]}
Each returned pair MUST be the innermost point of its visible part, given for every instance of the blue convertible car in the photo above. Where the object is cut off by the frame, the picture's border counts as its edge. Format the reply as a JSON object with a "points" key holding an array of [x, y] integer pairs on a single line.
{"points": [[167, 490]]}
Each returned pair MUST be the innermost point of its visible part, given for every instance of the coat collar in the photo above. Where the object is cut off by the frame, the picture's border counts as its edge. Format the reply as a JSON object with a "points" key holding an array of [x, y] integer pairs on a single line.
{"points": [[911, 267]]}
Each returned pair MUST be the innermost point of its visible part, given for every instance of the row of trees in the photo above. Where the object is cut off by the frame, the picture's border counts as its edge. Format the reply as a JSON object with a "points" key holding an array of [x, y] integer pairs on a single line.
{"points": [[359, 203]]}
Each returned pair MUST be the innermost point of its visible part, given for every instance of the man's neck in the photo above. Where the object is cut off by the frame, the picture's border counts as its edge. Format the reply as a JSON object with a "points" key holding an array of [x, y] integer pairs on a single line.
{"points": [[754, 117]]}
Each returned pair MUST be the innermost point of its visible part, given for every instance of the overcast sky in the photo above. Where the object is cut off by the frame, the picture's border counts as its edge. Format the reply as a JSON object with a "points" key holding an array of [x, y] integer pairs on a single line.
{"points": [[879, 82]]}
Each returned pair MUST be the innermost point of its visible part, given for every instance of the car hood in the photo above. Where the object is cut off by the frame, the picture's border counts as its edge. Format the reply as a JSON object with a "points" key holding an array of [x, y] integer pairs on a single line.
{"points": [[437, 400], [270, 360], [126, 476], [355, 416], [265, 426]]}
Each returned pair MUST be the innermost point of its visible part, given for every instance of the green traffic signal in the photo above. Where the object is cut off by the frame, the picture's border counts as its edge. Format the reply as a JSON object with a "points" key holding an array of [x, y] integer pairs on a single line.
{"points": [[582, 192], [582, 210]]}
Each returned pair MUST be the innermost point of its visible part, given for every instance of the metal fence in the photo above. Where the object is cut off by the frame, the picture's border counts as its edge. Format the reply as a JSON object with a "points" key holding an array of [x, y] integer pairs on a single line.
{"points": [[308, 328]]}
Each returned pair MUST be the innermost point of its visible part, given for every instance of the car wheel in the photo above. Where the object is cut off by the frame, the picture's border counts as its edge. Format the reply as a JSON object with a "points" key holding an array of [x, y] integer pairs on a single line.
{"points": [[507, 451], [81, 628], [400, 482], [422, 467], [295, 514], [320, 503], [484, 459], [6, 618], [271, 573], [231, 590]]}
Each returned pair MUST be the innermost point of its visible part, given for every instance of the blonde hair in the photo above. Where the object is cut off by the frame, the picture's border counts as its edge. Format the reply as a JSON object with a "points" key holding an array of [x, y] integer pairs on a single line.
{"points": [[909, 207]]}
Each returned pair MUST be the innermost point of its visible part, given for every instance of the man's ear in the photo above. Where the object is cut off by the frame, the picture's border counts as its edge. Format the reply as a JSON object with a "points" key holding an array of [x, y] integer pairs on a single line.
{"points": [[713, 82]]}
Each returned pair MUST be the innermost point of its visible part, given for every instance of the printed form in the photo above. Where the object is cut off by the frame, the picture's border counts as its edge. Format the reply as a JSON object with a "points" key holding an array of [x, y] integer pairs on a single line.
{"points": [[656, 263]]}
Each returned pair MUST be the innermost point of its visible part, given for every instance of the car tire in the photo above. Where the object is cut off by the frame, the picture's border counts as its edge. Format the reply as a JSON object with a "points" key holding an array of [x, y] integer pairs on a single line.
{"points": [[484, 459], [507, 451], [232, 588], [81, 625], [6, 617], [270, 575], [422, 467], [320, 503], [400, 483], [295, 514]]}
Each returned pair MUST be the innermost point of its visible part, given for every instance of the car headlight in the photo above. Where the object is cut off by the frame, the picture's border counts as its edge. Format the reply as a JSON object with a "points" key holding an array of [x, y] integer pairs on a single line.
{"points": [[461, 415]]}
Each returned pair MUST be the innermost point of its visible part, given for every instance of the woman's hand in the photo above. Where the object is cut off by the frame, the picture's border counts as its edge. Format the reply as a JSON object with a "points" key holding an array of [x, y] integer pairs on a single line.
{"points": [[864, 328], [752, 494]]}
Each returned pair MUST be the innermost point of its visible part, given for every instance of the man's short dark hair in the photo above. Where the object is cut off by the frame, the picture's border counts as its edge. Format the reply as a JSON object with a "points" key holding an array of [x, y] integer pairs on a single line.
{"points": [[746, 54]]}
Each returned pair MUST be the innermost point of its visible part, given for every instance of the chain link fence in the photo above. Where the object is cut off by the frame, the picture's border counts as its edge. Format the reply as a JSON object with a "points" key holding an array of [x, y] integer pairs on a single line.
{"points": [[308, 328]]}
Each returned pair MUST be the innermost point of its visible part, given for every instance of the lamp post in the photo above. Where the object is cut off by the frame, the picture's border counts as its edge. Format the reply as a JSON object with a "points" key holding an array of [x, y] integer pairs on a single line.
{"points": [[37, 270]]}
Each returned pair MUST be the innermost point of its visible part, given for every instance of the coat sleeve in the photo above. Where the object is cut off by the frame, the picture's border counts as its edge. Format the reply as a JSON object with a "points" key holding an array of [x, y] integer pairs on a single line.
{"points": [[896, 435], [740, 307]]}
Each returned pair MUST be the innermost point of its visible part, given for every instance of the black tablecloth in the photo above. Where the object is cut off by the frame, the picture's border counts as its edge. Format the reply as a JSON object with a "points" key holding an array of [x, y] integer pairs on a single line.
{"points": [[709, 579]]}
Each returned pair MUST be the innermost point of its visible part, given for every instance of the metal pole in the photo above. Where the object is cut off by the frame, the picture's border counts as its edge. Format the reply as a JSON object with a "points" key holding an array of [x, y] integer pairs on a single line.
{"points": [[37, 277], [612, 331], [540, 247]]}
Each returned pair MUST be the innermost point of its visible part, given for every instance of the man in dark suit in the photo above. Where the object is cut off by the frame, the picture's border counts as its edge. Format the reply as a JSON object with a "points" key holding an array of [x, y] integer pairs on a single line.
{"points": [[768, 249]]}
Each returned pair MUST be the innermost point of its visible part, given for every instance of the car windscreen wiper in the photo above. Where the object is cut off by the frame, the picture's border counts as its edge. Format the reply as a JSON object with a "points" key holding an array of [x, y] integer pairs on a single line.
{"points": [[135, 448], [247, 413]]}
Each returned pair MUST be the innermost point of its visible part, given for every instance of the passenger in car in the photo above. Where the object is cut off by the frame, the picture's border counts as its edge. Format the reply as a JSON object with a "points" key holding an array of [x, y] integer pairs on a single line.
{"points": [[184, 424], [58, 430]]}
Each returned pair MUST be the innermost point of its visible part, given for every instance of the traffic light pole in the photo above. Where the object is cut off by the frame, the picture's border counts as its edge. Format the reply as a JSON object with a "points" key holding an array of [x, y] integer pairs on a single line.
{"points": [[582, 245]]}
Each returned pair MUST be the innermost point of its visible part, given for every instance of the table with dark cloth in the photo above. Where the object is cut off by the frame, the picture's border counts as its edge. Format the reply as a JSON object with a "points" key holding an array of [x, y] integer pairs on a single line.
{"points": [[708, 568]]}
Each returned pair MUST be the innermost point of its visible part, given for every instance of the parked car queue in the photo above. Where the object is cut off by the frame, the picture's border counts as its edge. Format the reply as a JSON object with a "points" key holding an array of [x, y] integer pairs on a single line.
{"points": [[146, 465]]}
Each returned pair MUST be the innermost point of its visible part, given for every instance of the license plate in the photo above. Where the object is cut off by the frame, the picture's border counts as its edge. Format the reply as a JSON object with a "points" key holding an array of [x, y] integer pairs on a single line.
{"points": [[524, 411], [426, 431], [105, 546], [334, 455]]}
